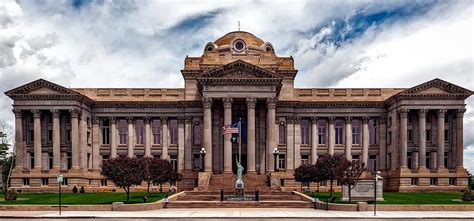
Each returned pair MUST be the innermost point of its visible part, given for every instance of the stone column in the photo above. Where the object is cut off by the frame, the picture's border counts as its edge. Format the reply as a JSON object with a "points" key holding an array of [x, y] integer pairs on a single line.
{"points": [[76, 151], [297, 150], [37, 139], [290, 143], [314, 140], [459, 139], [180, 144], [251, 102], [365, 140], [383, 142], [441, 115], [403, 137], [348, 140], [270, 139], [95, 144], [147, 137], [331, 135], [20, 147], [422, 139], [227, 144], [165, 135], [207, 107], [130, 134], [188, 155], [56, 141], [113, 137]]}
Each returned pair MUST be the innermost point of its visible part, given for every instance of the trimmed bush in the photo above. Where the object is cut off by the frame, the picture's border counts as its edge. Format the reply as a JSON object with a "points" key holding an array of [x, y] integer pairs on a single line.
{"points": [[74, 189]]}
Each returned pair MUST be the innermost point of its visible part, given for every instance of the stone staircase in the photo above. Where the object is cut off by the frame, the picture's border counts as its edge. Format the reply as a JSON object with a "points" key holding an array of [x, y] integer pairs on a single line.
{"points": [[268, 199], [226, 182]]}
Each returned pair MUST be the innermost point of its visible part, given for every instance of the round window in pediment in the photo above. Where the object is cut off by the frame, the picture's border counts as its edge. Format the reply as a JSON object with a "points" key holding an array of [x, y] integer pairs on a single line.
{"points": [[239, 45]]}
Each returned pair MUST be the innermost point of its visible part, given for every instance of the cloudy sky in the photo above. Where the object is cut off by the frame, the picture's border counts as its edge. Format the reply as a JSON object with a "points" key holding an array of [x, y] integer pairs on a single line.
{"points": [[141, 43]]}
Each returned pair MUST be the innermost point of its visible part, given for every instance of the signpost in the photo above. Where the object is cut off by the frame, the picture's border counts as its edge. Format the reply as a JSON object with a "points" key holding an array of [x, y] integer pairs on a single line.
{"points": [[60, 179]]}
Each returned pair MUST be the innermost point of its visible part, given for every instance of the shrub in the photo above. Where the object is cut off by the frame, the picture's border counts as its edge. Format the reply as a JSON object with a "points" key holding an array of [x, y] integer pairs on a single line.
{"points": [[466, 195], [82, 190], [74, 189]]}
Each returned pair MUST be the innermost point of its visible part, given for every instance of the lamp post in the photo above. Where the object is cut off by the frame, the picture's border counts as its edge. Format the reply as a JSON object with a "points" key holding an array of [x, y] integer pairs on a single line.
{"points": [[203, 154], [60, 180], [275, 154], [376, 178]]}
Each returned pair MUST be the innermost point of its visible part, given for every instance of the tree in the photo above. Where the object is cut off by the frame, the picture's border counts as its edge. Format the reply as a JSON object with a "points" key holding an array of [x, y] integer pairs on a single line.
{"points": [[124, 172], [148, 164], [349, 173], [161, 172], [305, 174], [175, 177], [327, 169], [7, 155]]}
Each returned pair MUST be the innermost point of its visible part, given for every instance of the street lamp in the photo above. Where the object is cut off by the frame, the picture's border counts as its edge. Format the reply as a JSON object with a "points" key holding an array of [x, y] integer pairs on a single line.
{"points": [[275, 154], [376, 178], [203, 154]]}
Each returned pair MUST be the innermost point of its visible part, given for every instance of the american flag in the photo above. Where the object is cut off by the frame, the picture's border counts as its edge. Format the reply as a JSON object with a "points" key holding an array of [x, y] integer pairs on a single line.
{"points": [[230, 129]]}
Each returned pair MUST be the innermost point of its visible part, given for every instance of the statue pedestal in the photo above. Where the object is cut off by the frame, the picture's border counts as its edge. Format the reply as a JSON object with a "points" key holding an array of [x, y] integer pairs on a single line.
{"points": [[239, 188]]}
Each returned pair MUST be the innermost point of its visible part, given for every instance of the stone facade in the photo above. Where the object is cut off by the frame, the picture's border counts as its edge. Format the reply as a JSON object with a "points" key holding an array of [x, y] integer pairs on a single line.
{"points": [[414, 136]]}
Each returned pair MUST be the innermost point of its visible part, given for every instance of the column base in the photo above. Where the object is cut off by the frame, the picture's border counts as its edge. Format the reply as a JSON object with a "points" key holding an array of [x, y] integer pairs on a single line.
{"points": [[461, 170], [403, 170], [442, 170], [253, 172], [423, 170], [55, 170], [75, 170], [17, 169], [35, 170]]}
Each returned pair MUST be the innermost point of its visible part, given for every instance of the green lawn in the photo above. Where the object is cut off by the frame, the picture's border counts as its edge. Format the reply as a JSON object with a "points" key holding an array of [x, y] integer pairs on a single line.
{"points": [[404, 198], [82, 198]]}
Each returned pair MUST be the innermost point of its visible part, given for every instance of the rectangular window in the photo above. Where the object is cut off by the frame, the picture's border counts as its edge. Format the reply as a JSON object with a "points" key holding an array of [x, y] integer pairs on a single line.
{"points": [[321, 132], [372, 163], [122, 128], [452, 181], [389, 137], [64, 183], [282, 161], [415, 181], [355, 158], [372, 131], [355, 132], [428, 135], [410, 119], [50, 160], [156, 129], [446, 135], [105, 158], [196, 161], [173, 131], [105, 131], [428, 160], [446, 119], [409, 160], [50, 136], [32, 160], [389, 122], [434, 181], [339, 125], [428, 118], [103, 182], [69, 161], [305, 131], [197, 134], [139, 131], [26, 181], [44, 181], [446, 162], [68, 135], [174, 162], [281, 134], [304, 159], [410, 135]]}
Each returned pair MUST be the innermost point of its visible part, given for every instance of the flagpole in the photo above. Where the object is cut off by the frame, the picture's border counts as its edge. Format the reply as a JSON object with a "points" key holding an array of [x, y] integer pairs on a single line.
{"points": [[240, 140]]}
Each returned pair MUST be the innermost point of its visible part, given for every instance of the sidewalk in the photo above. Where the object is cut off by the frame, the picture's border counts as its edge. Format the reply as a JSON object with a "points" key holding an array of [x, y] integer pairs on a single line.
{"points": [[244, 213]]}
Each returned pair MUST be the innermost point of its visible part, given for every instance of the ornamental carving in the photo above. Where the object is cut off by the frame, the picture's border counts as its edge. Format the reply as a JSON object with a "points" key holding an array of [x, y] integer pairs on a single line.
{"points": [[75, 113], [403, 113], [95, 120], [460, 113], [36, 113], [113, 120], [348, 119], [422, 113], [441, 113], [314, 120], [271, 102], [164, 120], [207, 102], [188, 120], [18, 113], [130, 120], [227, 101], [331, 119], [251, 103], [365, 119], [55, 113]]}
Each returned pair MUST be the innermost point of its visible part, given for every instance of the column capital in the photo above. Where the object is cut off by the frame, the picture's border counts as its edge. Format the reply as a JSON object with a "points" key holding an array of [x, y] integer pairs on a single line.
{"points": [[251, 102], [207, 102], [36, 113], [227, 101], [181, 120], [422, 113], [331, 119], [290, 120], [383, 119], [130, 120], [188, 120], [95, 120], [55, 113], [271, 103], [348, 119], [113, 120], [365, 119], [75, 112], [403, 113], [314, 120], [146, 119], [18, 113], [296, 119], [164, 120], [441, 113], [460, 112]]}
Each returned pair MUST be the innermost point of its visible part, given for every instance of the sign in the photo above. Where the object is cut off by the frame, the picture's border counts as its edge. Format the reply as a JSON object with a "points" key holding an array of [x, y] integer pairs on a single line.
{"points": [[364, 191], [60, 178]]}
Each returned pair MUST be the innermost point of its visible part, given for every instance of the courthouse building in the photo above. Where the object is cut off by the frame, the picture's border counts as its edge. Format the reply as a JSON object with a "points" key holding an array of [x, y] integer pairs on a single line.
{"points": [[414, 136]]}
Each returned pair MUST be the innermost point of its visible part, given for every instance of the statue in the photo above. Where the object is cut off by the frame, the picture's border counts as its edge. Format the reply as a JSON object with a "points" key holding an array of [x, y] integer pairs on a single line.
{"points": [[239, 183]]}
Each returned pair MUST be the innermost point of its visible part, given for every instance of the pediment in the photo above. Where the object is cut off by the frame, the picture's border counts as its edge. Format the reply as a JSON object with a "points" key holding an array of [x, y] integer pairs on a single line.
{"points": [[40, 87], [436, 87], [239, 70]]}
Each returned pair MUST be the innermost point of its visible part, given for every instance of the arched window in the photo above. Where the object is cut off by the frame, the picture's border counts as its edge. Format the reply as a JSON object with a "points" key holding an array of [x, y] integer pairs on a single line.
{"points": [[197, 134], [281, 133]]}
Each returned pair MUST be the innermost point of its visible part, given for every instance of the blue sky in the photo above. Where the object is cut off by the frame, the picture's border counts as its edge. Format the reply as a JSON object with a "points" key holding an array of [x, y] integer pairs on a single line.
{"points": [[143, 43]]}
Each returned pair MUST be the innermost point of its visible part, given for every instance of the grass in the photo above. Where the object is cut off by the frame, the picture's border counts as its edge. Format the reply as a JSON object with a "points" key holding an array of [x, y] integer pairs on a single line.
{"points": [[403, 198], [82, 198]]}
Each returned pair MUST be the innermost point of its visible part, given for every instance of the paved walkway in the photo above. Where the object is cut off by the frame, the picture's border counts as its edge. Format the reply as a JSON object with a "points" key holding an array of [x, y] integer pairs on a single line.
{"points": [[246, 213]]}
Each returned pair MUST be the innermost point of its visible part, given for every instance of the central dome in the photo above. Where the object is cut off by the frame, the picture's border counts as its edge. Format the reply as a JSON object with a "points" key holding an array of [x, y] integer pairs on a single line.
{"points": [[248, 38]]}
